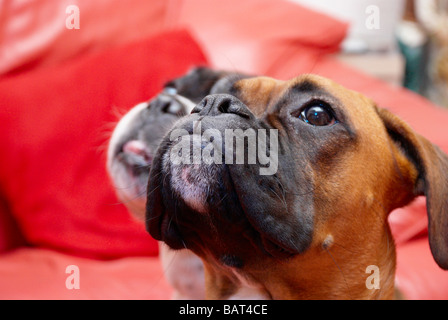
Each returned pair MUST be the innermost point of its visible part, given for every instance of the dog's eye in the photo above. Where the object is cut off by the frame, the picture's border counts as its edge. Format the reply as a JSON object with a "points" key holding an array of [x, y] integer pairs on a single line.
{"points": [[171, 91], [318, 114]]}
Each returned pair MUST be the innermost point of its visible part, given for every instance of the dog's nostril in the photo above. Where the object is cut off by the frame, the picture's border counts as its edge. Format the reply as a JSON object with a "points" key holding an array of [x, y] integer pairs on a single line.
{"points": [[224, 106], [229, 106]]}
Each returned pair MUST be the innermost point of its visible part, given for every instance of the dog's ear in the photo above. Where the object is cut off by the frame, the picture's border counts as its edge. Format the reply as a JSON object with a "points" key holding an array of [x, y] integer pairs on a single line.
{"points": [[432, 181]]}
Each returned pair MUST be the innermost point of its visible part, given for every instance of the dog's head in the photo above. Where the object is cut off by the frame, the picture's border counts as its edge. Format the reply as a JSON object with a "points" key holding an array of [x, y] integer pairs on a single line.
{"points": [[137, 135], [275, 173]]}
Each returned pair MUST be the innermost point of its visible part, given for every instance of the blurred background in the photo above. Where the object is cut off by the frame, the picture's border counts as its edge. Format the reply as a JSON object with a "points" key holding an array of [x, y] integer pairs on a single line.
{"points": [[408, 46], [402, 42]]}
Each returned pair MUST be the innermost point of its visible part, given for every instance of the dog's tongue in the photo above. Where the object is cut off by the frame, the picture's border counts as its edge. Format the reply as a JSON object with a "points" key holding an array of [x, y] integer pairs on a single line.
{"points": [[138, 150]]}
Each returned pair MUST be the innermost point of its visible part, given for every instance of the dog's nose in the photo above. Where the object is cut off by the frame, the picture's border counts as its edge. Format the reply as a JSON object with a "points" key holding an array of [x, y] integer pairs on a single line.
{"points": [[217, 104]]}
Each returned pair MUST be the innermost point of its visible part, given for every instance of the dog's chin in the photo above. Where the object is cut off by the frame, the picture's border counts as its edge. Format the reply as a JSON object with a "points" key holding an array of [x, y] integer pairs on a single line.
{"points": [[193, 185]]}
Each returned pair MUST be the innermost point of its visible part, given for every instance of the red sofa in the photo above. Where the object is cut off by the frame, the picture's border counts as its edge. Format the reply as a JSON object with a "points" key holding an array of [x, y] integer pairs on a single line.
{"points": [[62, 91]]}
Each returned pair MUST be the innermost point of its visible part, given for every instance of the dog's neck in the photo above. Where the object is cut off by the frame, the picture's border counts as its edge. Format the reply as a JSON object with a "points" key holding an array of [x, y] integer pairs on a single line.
{"points": [[339, 271]]}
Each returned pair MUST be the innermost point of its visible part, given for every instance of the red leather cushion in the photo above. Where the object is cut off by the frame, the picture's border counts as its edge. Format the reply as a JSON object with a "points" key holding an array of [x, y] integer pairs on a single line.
{"points": [[418, 276], [55, 124], [42, 274], [254, 36], [35, 35], [249, 35]]}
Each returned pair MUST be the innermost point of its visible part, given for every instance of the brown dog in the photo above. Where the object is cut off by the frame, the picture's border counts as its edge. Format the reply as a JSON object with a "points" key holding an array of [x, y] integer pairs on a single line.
{"points": [[310, 227]]}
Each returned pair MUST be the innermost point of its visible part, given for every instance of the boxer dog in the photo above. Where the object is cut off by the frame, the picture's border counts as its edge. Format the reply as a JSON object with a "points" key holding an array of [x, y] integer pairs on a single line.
{"points": [[312, 227], [130, 154]]}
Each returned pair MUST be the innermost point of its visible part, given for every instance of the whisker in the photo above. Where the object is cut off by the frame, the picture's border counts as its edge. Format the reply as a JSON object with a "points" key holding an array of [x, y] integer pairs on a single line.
{"points": [[152, 218], [222, 199], [282, 200], [340, 270], [150, 193]]}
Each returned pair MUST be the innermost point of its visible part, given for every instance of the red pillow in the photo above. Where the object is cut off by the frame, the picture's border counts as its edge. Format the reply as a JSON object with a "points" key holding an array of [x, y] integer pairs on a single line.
{"points": [[55, 124], [254, 36], [40, 33]]}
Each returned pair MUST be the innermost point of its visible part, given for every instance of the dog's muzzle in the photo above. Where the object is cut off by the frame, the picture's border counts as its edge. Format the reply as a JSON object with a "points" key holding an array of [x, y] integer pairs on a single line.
{"points": [[193, 201]]}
